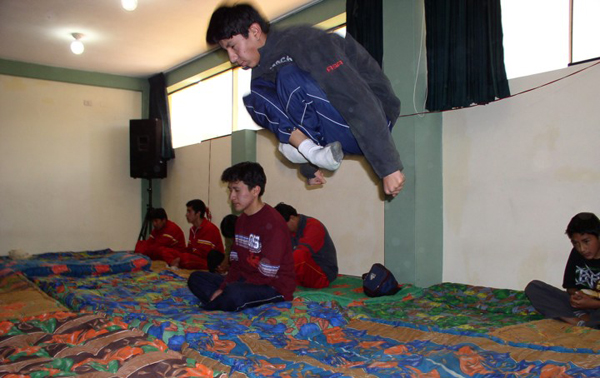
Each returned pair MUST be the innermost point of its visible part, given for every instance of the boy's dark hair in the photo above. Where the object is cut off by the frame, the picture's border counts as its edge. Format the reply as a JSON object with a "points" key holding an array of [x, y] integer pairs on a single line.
{"points": [[214, 259], [198, 206], [158, 213], [251, 174], [228, 226], [584, 223], [286, 211], [227, 21]]}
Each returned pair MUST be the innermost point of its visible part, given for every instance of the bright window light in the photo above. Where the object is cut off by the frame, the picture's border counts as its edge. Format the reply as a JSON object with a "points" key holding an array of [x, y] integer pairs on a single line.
{"points": [[202, 111], [586, 30], [536, 36], [244, 121]]}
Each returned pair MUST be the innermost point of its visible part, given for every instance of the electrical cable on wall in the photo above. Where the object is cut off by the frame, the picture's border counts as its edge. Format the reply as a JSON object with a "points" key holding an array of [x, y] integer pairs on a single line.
{"points": [[420, 113], [513, 95]]}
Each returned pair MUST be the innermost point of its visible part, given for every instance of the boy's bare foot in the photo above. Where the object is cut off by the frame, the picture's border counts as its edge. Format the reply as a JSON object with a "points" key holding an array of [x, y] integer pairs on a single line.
{"points": [[319, 179], [571, 321], [577, 321]]}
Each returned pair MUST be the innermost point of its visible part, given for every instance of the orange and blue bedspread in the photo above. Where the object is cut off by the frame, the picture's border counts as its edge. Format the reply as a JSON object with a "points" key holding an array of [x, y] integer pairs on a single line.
{"points": [[439, 331], [70, 344]]}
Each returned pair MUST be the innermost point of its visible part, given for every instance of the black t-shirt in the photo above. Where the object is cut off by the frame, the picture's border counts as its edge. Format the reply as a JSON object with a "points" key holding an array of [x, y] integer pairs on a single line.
{"points": [[581, 273]]}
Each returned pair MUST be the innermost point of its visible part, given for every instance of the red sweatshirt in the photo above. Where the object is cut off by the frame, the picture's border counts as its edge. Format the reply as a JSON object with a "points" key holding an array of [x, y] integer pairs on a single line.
{"points": [[170, 235], [262, 252]]}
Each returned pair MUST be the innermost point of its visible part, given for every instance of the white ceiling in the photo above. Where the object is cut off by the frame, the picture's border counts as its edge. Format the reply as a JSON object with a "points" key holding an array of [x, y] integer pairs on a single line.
{"points": [[156, 37]]}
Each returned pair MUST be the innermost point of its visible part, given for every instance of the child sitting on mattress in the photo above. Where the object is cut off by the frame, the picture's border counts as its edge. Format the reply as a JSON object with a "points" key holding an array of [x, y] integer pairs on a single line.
{"points": [[166, 239], [315, 257], [205, 247], [580, 303], [261, 263]]}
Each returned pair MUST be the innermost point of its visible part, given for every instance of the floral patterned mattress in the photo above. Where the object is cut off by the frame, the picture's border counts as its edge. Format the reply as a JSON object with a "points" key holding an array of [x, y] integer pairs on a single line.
{"points": [[441, 331], [93, 345], [76, 264]]}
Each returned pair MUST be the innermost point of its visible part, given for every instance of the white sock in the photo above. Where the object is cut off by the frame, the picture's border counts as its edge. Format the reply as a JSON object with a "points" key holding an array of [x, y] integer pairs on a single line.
{"points": [[292, 153], [328, 157]]}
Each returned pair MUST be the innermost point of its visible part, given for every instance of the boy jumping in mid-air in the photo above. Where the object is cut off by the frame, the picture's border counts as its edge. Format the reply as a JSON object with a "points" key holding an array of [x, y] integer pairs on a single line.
{"points": [[579, 304], [321, 94]]}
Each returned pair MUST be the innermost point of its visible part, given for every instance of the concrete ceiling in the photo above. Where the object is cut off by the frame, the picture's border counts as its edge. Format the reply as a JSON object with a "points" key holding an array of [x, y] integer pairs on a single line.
{"points": [[156, 37]]}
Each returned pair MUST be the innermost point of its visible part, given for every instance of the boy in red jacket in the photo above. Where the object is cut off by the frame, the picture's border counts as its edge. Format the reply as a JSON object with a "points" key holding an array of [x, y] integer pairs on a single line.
{"points": [[315, 257], [205, 247], [165, 240]]}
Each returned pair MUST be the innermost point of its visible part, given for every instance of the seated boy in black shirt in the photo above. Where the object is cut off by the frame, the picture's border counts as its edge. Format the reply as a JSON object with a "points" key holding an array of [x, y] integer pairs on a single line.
{"points": [[580, 303]]}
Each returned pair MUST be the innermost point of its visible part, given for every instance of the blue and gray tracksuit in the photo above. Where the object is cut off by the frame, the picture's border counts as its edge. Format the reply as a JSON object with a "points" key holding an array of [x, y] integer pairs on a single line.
{"points": [[330, 88]]}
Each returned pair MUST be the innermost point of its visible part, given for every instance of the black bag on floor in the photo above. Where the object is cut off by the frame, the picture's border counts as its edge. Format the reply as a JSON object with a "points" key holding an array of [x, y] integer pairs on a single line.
{"points": [[379, 281]]}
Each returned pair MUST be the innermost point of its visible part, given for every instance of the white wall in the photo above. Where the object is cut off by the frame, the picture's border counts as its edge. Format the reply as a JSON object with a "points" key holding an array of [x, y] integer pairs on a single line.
{"points": [[65, 182], [515, 172], [196, 173]]}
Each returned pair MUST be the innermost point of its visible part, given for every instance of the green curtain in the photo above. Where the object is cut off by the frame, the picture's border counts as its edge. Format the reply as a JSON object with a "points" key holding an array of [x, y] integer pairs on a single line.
{"points": [[364, 22], [465, 56], [159, 109]]}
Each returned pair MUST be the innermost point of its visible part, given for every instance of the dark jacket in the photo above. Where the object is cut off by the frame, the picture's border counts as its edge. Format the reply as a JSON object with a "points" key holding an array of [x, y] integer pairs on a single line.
{"points": [[353, 81]]}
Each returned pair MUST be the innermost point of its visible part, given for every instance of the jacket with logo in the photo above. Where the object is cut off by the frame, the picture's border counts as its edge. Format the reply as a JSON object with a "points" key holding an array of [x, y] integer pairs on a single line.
{"points": [[353, 81]]}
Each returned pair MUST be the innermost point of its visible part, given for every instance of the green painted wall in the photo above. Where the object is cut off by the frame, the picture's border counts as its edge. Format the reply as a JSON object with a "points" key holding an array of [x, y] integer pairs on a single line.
{"points": [[414, 219], [243, 146], [37, 71], [315, 14]]}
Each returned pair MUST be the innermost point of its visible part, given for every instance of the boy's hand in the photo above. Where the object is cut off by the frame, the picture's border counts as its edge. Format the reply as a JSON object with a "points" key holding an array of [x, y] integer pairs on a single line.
{"points": [[216, 294], [393, 183], [582, 301], [223, 267]]}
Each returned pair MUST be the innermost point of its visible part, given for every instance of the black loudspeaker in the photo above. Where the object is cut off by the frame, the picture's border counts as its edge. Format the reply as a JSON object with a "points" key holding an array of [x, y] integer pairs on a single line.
{"points": [[145, 137]]}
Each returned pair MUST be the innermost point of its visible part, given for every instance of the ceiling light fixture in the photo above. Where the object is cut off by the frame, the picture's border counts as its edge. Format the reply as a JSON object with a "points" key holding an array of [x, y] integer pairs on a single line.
{"points": [[77, 46], [129, 5]]}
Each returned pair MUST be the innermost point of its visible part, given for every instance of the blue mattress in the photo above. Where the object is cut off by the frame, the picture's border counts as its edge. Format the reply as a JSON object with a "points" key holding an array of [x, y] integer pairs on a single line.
{"points": [[76, 264]]}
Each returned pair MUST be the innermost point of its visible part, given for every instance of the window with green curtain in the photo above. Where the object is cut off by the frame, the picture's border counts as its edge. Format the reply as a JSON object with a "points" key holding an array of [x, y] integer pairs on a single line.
{"points": [[465, 56]]}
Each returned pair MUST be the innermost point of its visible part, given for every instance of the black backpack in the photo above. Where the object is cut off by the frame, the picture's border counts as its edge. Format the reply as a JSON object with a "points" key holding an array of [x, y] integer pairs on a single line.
{"points": [[379, 281]]}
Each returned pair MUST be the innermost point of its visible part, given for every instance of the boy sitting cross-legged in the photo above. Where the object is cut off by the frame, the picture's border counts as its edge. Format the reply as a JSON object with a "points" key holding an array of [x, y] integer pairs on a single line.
{"points": [[579, 304], [261, 261]]}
